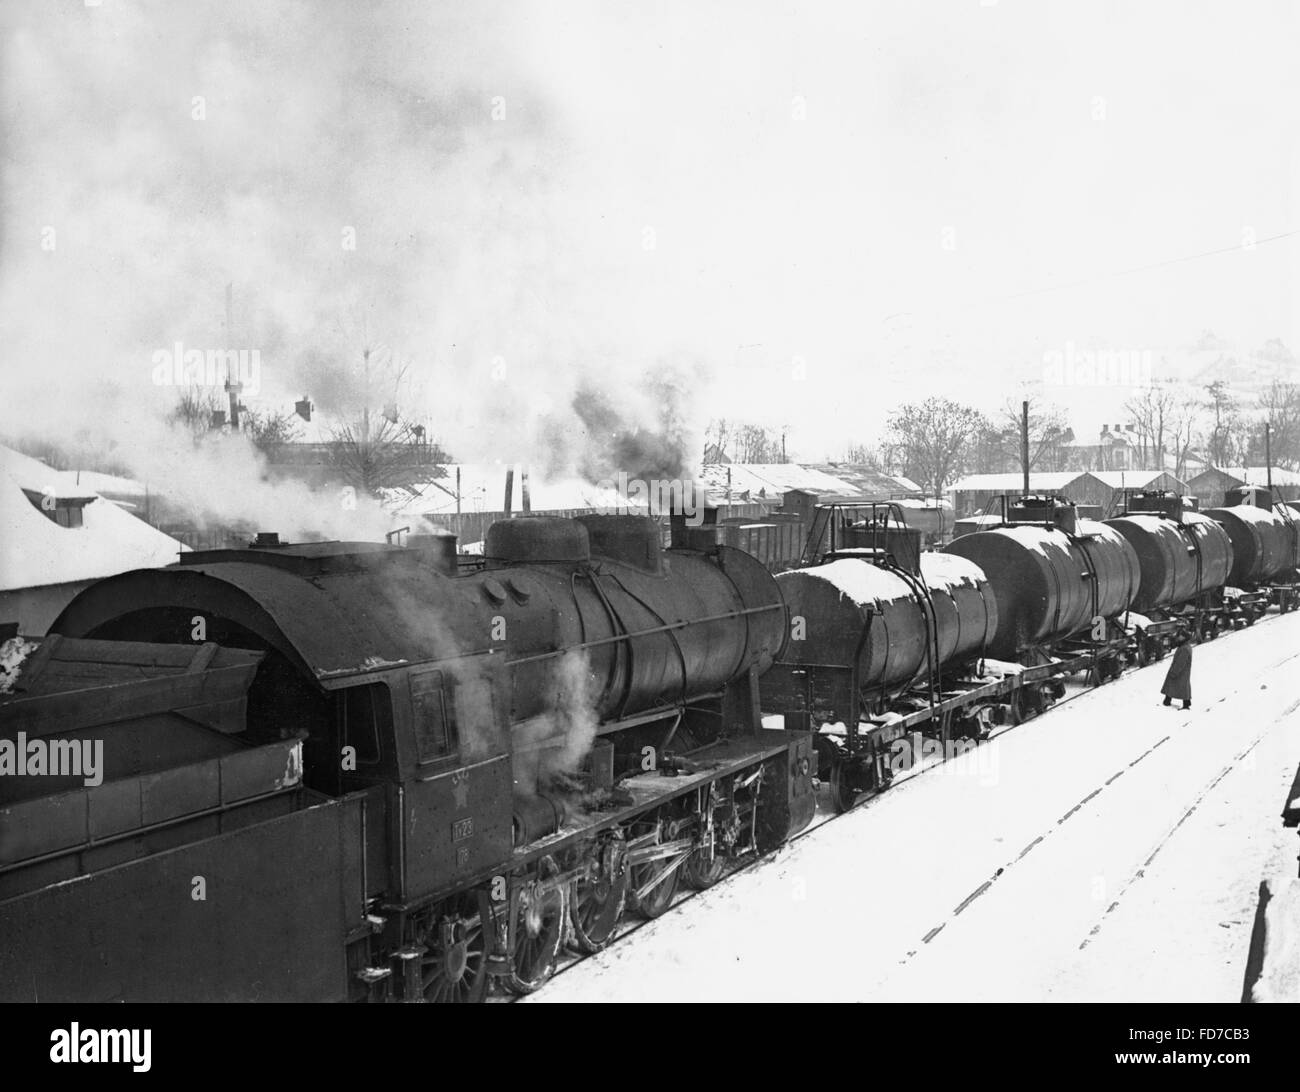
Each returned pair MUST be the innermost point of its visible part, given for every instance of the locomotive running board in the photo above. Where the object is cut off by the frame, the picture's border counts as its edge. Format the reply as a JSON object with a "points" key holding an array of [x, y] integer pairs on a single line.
{"points": [[720, 759]]}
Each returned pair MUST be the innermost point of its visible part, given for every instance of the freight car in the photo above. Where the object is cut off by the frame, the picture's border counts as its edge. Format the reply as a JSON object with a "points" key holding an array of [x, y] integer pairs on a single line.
{"points": [[1053, 575], [504, 760], [797, 535], [1185, 559], [887, 641], [1266, 550], [897, 642]]}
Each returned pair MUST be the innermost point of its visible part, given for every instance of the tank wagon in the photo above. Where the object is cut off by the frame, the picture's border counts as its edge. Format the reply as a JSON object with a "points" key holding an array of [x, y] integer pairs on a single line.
{"points": [[888, 644], [521, 751], [1266, 551], [1185, 559], [1053, 576]]}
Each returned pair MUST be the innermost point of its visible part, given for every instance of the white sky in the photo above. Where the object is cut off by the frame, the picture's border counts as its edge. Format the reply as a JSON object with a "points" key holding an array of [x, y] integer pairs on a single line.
{"points": [[774, 238]]}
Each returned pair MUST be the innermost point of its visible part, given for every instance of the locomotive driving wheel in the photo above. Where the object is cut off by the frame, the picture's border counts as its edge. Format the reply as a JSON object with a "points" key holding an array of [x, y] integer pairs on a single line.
{"points": [[707, 863], [453, 969], [539, 914], [597, 901], [653, 885]]}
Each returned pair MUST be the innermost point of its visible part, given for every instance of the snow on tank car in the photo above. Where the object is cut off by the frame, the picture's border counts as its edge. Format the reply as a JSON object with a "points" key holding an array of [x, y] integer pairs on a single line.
{"points": [[1051, 574], [1263, 544], [1182, 555], [854, 612]]}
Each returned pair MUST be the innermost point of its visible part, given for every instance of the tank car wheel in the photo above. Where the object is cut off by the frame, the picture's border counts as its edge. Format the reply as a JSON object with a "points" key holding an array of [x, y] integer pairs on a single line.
{"points": [[596, 904], [539, 931], [453, 970], [843, 793], [826, 751]]}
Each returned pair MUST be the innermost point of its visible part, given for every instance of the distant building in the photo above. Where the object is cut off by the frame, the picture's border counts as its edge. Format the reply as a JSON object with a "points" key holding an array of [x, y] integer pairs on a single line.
{"points": [[1118, 447], [980, 494], [57, 536], [1210, 484]]}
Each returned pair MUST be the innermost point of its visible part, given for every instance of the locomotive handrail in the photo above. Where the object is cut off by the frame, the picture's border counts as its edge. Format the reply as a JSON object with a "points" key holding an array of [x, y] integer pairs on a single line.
{"points": [[537, 656], [677, 647], [616, 622]]}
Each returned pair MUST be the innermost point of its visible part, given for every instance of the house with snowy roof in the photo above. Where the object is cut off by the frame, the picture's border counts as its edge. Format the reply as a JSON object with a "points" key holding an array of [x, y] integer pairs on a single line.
{"points": [[58, 535]]}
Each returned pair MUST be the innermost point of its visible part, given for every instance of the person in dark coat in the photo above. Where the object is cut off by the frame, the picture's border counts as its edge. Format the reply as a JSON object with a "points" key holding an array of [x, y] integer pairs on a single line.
{"points": [[1178, 680]]}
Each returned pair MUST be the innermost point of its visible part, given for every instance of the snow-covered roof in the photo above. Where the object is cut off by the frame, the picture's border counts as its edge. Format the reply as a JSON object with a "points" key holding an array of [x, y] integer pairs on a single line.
{"points": [[868, 482], [35, 551], [35, 475], [996, 483], [1258, 475], [482, 489], [1133, 479], [768, 481]]}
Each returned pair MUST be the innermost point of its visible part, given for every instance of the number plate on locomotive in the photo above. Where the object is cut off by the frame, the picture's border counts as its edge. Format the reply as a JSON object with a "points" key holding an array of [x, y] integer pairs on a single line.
{"points": [[462, 829]]}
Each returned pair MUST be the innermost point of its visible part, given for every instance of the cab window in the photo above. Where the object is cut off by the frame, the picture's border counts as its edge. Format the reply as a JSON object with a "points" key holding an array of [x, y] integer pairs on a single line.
{"points": [[433, 714], [366, 713]]}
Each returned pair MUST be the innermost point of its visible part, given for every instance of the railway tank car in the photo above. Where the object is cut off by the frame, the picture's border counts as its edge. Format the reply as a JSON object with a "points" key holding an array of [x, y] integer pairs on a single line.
{"points": [[1263, 544], [533, 746], [1051, 574], [1181, 554], [875, 620]]}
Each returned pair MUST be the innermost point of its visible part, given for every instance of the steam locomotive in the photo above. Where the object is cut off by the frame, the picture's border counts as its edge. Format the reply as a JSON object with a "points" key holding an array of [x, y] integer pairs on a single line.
{"points": [[349, 771], [345, 771]]}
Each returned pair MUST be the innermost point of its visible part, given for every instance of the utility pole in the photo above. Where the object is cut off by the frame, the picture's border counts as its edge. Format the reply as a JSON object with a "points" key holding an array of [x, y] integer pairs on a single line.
{"points": [[233, 386], [1024, 441], [1268, 455]]}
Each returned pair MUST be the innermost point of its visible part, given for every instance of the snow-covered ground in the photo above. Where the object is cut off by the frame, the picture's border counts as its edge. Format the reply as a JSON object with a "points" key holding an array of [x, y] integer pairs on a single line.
{"points": [[1110, 850]]}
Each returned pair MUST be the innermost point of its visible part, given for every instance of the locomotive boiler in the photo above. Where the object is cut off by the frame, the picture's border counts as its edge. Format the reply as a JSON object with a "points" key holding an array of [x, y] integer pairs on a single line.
{"points": [[523, 751]]}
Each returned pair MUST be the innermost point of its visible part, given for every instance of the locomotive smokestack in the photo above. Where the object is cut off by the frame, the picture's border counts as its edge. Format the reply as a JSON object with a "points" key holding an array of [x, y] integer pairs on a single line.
{"points": [[523, 490], [1024, 441], [510, 491]]}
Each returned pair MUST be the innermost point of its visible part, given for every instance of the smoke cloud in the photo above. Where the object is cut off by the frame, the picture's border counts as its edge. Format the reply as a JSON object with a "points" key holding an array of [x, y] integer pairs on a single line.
{"points": [[394, 177]]}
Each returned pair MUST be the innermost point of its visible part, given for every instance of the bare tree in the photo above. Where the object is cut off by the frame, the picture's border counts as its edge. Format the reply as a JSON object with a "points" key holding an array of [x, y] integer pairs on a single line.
{"points": [[196, 409], [1048, 431], [865, 455], [375, 447], [1280, 404], [934, 437], [1221, 441], [756, 444], [1151, 411], [716, 437], [1184, 424], [269, 430]]}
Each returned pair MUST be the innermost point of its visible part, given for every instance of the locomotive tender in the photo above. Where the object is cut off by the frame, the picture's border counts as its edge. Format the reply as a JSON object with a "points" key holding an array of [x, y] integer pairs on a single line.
{"points": [[444, 776]]}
